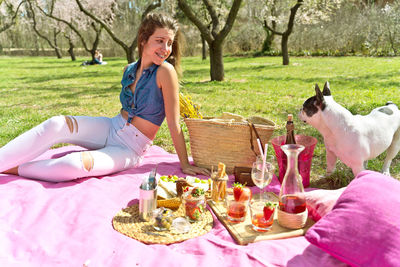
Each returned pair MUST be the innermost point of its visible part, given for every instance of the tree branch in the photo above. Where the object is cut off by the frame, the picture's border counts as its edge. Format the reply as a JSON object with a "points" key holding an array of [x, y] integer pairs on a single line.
{"points": [[214, 17], [106, 27], [7, 26], [271, 29], [293, 12], [36, 29], [72, 27], [150, 8], [231, 19], [192, 17]]}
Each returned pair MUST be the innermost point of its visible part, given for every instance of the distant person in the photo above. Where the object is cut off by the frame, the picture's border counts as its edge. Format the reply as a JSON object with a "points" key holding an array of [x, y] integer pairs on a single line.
{"points": [[98, 59], [149, 94]]}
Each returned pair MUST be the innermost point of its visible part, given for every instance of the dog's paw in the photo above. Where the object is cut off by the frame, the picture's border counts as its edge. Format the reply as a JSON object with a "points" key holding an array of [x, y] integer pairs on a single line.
{"points": [[387, 173]]}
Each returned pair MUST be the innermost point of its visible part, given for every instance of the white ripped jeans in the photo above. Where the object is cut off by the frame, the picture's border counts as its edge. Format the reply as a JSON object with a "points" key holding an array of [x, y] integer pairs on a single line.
{"points": [[113, 146]]}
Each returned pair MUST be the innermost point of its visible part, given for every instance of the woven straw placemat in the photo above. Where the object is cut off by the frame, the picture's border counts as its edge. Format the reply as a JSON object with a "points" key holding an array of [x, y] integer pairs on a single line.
{"points": [[127, 222]]}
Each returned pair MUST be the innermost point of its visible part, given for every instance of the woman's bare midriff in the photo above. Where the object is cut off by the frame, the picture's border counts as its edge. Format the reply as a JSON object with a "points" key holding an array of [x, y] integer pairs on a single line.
{"points": [[145, 127]]}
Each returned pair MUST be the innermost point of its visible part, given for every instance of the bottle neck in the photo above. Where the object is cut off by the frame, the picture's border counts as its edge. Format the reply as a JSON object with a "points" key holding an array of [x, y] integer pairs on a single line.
{"points": [[290, 133], [292, 163], [292, 182]]}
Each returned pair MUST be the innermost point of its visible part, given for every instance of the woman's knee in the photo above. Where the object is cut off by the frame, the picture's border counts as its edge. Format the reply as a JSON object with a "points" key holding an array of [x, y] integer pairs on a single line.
{"points": [[59, 123], [78, 162], [74, 165], [87, 160]]}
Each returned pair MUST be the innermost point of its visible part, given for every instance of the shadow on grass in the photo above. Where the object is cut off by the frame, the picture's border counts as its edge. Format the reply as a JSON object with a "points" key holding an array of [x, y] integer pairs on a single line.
{"points": [[63, 92], [63, 76]]}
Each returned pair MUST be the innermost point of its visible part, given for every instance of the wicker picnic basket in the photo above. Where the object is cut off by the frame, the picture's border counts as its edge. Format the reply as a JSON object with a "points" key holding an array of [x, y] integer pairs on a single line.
{"points": [[230, 141]]}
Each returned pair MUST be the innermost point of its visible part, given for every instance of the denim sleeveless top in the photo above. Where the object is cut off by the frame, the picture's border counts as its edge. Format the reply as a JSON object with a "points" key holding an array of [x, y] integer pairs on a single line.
{"points": [[147, 100]]}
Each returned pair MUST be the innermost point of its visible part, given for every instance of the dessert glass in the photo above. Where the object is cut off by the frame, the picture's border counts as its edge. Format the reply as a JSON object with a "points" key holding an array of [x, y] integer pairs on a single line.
{"points": [[195, 206]]}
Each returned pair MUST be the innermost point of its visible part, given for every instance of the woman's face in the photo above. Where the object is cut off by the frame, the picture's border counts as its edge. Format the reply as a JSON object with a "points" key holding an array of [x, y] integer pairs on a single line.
{"points": [[158, 47]]}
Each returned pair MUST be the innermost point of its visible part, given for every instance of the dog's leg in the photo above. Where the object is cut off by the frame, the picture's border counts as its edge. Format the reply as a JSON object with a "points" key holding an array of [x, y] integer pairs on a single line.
{"points": [[357, 169], [365, 164], [391, 152], [330, 162]]}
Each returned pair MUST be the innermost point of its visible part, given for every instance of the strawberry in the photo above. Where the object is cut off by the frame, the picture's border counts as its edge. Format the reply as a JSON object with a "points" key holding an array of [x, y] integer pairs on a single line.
{"points": [[269, 209], [237, 190], [196, 192], [241, 192], [246, 194]]}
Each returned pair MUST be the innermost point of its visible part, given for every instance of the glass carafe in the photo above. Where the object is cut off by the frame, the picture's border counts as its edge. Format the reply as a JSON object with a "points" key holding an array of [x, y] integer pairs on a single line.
{"points": [[292, 211], [291, 196]]}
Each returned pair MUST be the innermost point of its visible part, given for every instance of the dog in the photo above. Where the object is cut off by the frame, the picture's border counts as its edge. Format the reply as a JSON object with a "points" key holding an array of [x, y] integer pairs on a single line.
{"points": [[354, 139]]}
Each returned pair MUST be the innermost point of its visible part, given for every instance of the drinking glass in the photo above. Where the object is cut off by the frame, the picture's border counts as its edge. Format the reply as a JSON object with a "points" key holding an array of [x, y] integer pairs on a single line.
{"points": [[258, 220], [260, 180], [236, 210]]}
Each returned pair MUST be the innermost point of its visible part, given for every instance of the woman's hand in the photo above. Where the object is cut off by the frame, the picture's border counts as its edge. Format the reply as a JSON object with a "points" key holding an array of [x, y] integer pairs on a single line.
{"points": [[193, 170]]}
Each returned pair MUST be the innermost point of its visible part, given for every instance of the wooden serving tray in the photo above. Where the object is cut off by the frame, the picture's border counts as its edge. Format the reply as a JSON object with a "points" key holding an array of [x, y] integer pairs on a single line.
{"points": [[243, 232]]}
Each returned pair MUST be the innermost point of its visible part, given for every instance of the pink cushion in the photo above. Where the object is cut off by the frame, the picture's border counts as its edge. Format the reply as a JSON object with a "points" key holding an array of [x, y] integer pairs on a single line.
{"points": [[363, 228], [320, 202]]}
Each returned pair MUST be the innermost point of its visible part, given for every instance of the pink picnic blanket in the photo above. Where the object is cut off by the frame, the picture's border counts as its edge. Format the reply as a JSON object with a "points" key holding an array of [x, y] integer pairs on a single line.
{"points": [[70, 224]]}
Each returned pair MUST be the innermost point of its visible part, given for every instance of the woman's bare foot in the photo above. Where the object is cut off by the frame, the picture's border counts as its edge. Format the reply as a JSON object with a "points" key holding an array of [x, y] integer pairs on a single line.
{"points": [[12, 171]]}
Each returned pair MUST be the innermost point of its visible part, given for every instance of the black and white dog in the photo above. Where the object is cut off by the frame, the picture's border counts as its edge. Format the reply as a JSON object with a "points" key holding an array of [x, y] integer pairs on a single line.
{"points": [[354, 139]]}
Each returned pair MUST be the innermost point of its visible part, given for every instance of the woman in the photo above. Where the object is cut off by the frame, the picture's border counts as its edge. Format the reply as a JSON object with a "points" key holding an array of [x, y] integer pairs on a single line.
{"points": [[98, 57], [149, 94]]}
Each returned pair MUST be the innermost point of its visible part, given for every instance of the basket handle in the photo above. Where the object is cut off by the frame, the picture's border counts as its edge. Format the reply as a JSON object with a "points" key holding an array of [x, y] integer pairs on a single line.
{"points": [[253, 128]]}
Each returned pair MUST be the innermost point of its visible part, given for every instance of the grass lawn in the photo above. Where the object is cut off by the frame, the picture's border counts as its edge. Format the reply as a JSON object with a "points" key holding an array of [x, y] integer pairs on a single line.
{"points": [[33, 89]]}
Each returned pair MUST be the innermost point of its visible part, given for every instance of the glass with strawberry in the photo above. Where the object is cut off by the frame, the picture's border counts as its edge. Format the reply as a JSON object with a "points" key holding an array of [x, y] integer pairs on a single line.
{"points": [[262, 215], [237, 203], [194, 202]]}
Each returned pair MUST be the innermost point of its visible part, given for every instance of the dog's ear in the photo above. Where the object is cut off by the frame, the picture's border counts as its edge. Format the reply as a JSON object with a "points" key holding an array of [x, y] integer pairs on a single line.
{"points": [[327, 90], [319, 98], [318, 94]]}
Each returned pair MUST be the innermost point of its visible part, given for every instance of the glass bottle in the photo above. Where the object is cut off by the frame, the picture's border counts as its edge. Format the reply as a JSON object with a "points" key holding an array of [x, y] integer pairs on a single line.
{"points": [[291, 195], [290, 130]]}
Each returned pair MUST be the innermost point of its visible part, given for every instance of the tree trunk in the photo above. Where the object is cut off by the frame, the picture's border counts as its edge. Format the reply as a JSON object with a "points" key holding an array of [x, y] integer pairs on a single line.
{"points": [[92, 53], [285, 35], [57, 50], [203, 48], [216, 62], [71, 51], [284, 47], [131, 50], [267, 44], [130, 55], [392, 42], [36, 40], [58, 53], [214, 36]]}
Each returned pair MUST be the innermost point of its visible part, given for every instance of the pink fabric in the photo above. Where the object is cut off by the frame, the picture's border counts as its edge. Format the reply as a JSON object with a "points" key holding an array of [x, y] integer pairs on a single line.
{"points": [[320, 202], [363, 228], [69, 224]]}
